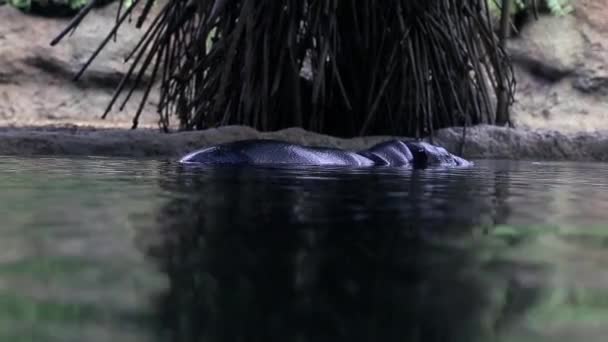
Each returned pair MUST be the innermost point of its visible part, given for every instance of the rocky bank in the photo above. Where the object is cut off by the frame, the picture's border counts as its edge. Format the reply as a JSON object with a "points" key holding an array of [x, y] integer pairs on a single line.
{"points": [[481, 142], [560, 111]]}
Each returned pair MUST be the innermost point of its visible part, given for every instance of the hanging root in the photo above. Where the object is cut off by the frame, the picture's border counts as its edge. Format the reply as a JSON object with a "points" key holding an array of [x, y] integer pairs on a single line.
{"points": [[400, 67]]}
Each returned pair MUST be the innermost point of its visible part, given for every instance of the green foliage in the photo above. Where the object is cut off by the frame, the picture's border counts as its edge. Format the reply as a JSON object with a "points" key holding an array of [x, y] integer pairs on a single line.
{"points": [[559, 7], [373, 66], [26, 5], [555, 7], [77, 4], [495, 5], [21, 4]]}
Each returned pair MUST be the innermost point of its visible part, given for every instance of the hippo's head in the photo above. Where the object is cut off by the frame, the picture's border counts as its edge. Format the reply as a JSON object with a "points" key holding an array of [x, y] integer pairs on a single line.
{"points": [[427, 155]]}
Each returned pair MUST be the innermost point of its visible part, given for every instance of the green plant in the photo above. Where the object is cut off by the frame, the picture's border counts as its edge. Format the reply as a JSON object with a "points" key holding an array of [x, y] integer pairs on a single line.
{"points": [[495, 6], [77, 4], [72, 5], [374, 67], [559, 7], [555, 7], [21, 4]]}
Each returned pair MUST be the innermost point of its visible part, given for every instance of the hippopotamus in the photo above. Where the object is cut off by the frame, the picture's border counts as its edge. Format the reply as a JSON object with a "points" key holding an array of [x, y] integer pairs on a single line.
{"points": [[395, 153]]}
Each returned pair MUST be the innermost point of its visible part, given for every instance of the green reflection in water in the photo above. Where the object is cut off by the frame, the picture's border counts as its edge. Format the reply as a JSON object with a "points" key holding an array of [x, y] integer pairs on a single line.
{"points": [[20, 308], [44, 269], [566, 266], [69, 270]]}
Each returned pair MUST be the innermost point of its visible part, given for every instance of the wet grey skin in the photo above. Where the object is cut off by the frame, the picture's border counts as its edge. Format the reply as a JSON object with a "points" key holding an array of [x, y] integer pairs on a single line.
{"points": [[394, 153]]}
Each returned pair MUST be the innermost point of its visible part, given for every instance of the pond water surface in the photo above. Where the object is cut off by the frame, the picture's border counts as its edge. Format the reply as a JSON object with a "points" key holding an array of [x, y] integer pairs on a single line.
{"points": [[98, 249]]}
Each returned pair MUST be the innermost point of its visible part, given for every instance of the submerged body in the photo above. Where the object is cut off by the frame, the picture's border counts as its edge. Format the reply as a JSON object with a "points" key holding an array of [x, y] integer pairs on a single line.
{"points": [[271, 152]]}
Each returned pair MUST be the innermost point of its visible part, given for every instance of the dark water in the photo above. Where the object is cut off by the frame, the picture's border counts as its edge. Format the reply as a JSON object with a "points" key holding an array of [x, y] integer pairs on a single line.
{"points": [[111, 249]]}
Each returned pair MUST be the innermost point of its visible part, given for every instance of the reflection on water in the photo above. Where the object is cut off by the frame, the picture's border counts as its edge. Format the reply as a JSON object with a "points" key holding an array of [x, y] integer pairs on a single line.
{"points": [[68, 267], [309, 255], [101, 249]]}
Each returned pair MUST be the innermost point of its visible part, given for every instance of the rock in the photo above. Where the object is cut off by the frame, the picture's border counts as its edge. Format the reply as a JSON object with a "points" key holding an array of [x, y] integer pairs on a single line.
{"points": [[560, 69], [594, 13], [36, 85], [482, 142], [543, 70], [532, 144], [591, 85]]}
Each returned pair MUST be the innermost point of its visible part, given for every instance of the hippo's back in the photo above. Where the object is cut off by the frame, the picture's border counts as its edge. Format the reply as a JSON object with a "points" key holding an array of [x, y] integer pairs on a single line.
{"points": [[271, 152]]}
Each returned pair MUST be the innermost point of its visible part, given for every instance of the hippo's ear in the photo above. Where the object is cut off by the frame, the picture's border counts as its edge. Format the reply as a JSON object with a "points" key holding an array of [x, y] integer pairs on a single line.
{"points": [[419, 154]]}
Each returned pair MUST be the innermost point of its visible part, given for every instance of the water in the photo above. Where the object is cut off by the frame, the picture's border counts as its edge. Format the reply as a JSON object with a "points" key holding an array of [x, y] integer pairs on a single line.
{"points": [[101, 249]]}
